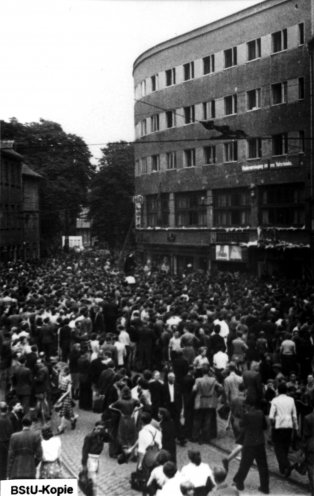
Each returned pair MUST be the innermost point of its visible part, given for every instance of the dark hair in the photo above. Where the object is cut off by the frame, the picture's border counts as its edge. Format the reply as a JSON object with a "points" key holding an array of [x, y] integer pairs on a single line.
{"points": [[146, 418], [26, 421], [282, 388], [195, 457], [162, 457], [46, 432], [164, 413], [220, 474], [169, 469]]}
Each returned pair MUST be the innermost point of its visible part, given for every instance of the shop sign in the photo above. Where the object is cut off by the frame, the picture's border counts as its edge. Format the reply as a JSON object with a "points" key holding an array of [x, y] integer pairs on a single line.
{"points": [[278, 164]]}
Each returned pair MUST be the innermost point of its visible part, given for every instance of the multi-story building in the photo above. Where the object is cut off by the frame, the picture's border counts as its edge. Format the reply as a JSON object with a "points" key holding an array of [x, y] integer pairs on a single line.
{"points": [[19, 209], [224, 149]]}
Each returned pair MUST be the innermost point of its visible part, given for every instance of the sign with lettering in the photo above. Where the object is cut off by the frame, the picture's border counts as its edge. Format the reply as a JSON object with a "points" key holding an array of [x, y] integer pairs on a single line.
{"points": [[222, 252], [229, 253], [278, 164]]}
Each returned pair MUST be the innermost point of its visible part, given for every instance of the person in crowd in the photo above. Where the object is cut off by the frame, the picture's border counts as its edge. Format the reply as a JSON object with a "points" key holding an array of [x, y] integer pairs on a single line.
{"points": [[283, 416], [25, 452], [50, 467], [308, 445], [207, 390], [221, 487], [65, 400], [16, 415], [92, 447], [168, 437], [172, 401], [6, 430], [174, 480], [158, 478], [126, 406], [254, 424], [22, 381], [253, 383], [198, 473]]}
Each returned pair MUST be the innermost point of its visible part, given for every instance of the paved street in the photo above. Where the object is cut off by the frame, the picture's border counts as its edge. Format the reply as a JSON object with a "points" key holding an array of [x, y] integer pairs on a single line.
{"points": [[114, 479]]}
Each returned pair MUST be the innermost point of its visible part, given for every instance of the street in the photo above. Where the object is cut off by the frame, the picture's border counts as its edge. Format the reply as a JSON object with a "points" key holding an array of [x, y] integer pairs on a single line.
{"points": [[113, 479]]}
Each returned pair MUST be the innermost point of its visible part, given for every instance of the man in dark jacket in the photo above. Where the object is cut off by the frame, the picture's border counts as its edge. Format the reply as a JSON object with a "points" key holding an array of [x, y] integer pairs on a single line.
{"points": [[308, 442], [253, 424], [5, 434], [22, 382], [253, 383], [25, 452], [92, 447], [172, 401]]}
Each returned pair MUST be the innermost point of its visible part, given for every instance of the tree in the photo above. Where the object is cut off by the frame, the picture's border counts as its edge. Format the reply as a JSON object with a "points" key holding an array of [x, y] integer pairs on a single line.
{"points": [[112, 188], [63, 161]]}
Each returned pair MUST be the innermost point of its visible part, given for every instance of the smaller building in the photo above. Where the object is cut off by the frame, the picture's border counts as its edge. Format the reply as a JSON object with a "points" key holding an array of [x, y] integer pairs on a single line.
{"points": [[19, 206]]}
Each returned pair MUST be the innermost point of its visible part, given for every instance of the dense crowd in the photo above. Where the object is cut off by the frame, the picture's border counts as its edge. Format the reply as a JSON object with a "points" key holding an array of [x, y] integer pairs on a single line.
{"points": [[158, 357]]}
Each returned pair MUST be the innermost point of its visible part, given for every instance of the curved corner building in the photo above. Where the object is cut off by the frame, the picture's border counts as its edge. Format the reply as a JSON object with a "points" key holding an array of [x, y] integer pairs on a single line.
{"points": [[224, 143]]}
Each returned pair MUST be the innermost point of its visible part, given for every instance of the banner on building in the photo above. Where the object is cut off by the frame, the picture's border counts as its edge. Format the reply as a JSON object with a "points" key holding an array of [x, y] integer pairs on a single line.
{"points": [[74, 242], [229, 253]]}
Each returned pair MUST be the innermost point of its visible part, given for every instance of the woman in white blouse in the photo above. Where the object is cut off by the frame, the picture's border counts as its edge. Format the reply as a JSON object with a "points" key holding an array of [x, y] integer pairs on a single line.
{"points": [[51, 460]]}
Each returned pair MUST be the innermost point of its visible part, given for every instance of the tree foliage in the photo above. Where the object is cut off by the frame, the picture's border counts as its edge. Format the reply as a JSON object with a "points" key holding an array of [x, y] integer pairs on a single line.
{"points": [[112, 188], [63, 161]]}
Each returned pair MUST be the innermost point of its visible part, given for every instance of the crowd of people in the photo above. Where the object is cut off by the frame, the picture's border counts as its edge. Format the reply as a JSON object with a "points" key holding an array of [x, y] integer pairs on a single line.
{"points": [[158, 357]]}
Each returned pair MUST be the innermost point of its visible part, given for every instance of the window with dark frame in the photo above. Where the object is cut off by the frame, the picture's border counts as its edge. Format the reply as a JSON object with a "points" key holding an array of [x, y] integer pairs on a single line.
{"points": [[210, 154], [231, 207], [301, 33], [171, 158], [144, 165], [189, 157], [188, 71], [189, 114], [254, 49], [154, 123], [231, 151], [209, 64], [301, 88], [280, 144], [157, 208], [170, 118], [279, 41], [190, 209], [154, 82], [282, 205], [155, 163], [254, 147], [171, 77], [254, 99], [231, 104], [230, 56], [279, 93]]}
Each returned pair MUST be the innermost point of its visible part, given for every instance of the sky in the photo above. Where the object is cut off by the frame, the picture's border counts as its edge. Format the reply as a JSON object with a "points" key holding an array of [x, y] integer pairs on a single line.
{"points": [[70, 61]]}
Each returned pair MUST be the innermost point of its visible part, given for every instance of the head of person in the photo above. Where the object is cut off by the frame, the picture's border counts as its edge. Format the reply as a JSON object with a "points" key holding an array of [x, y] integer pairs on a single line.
{"points": [[169, 469], [156, 375], [171, 378], [163, 457], [310, 380], [16, 407], [195, 457], [46, 432], [220, 474], [99, 427], [163, 414], [205, 369], [126, 393], [282, 388], [3, 408], [146, 418], [26, 422], [217, 328], [187, 488]]}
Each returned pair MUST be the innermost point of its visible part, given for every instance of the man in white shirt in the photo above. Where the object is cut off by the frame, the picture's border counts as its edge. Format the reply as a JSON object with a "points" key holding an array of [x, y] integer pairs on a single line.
{"points": [[148, 436], [220, 360], [283, 416]]}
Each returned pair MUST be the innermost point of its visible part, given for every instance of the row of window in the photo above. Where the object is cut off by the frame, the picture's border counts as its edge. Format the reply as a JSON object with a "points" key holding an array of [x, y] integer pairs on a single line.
{"points": [[208, 154], [208, 110], [280, 205], [230, 58], [10, 174]]}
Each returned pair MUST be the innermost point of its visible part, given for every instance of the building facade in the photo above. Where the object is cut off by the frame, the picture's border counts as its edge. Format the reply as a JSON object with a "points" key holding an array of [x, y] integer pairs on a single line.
{"points": [[224, 127], [19, 209]]}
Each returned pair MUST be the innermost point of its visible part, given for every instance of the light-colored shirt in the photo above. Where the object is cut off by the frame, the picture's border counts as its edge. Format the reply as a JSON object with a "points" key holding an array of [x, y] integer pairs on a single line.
{"points": [[147, 436], [197, 474], [220, 360], [171, 392], [283, 411], [158, 476], [172, 486], [51, 449]]}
